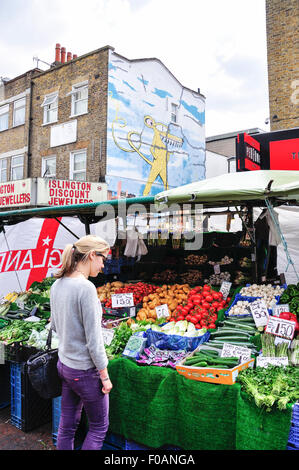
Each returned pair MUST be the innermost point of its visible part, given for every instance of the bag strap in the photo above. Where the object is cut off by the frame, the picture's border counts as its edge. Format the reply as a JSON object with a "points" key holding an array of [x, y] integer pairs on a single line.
{"points": [[49, 339]]}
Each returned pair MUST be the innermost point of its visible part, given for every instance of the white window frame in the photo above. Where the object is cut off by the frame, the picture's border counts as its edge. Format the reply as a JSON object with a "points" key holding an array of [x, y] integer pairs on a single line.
{"points": [[174, 112], [73, 172], [44, 167], [50, 100], [19, 165], [4, 110], [75, 89], [18, 107], [3, 170]]}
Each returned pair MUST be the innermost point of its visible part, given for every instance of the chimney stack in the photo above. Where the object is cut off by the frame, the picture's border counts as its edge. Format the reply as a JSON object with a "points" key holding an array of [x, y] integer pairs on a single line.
{"points": [[69, 56], [63, 55], [57, 53]]}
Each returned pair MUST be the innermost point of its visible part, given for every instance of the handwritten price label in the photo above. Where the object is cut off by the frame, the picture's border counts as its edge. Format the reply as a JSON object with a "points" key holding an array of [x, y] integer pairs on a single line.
{"points": [[122, 300], [259, 312], [162, 311], [225, 289], [275, 361], [231, 350], [277, 309], [108, 334], [281, 327]]}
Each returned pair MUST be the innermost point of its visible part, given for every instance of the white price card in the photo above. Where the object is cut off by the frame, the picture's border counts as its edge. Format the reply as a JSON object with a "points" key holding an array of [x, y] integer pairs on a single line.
{"points": [[232, 350], [20, 304], [216, 268], [108, 334], [225, 288], [262, 361], [259, 312], [162, 311], [122, 300], [277, 309], [281, 327]]}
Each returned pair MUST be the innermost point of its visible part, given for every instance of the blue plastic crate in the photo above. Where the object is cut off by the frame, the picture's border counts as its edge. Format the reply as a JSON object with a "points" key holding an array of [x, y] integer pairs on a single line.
{"points": [[56, 407], [16, 394], [132, 445], [28, 409], [295, 414], [115, 440], [242, 298], [294, 437]]}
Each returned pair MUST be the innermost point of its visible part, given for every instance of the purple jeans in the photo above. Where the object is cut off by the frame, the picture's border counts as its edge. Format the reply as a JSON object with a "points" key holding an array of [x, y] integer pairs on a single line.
{"points": [[82, 388]]}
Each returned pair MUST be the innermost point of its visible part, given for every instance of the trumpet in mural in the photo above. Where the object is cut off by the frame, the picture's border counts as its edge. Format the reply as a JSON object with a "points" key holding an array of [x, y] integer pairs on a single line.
{"points": [[162, 146]]}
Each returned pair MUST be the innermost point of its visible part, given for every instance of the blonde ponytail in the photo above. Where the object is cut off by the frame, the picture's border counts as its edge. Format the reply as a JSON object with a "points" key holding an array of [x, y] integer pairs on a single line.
{"points": [[80, 251]]}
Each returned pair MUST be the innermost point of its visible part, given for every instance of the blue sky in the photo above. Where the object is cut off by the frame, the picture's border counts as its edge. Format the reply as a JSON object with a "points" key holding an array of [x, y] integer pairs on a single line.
{"points": [[217, 46]]}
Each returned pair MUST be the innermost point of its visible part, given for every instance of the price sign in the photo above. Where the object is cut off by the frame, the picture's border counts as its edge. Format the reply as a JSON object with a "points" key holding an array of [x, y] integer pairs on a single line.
{"points": [[262, 361], [20, 304], [259, 312], [231, 350], [108, 334], [162, 311], [225, 288], [122, 300], [281, 327], [277, 309], [216, 268]]}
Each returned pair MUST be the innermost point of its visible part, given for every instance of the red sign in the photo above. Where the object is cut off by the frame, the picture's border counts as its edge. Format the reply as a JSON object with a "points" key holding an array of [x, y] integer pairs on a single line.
{"points": [[284, 154]]}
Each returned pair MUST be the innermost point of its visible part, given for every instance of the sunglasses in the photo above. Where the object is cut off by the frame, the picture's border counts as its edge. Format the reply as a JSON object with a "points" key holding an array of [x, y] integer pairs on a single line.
{"points": [[100, 254]]}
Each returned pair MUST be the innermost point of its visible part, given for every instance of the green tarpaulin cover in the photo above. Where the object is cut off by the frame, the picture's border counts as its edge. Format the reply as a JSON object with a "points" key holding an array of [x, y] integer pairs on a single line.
{"points": [[242, 186], [156, 406]]}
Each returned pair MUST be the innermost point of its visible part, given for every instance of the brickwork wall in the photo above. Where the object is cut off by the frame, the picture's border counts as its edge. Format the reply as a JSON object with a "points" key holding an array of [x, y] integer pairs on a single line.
{"points": [[282, 22], [16, 137], [91, 127]]}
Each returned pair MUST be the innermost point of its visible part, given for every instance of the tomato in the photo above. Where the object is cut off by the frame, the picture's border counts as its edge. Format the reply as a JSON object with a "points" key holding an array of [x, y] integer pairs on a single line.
{"points": [[196, 298], [189, 305], [209, 298], [198, 326], [206, 305], [188, 318], [212, 326], [206, 287], [171, 319], [193, 320], [185, 311], [180, 318]]}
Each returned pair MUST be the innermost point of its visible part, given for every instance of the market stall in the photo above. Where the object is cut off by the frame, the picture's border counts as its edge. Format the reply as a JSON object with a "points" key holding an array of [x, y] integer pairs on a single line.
{"points": [[187, 347]]}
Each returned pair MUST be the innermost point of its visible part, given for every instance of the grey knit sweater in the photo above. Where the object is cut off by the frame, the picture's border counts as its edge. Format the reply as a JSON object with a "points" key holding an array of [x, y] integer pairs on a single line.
{"points": [[76, 314]]}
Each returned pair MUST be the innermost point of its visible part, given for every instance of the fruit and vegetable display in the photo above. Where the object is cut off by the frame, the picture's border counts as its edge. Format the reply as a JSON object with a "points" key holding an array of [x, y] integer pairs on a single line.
{"points": [[271, 387], [196, 259], [191, 312], [290, 296], [267, 292]]}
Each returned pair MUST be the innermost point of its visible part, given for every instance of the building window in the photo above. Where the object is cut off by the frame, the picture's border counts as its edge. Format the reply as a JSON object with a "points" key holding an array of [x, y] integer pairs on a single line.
{"points": [[79, 99], [174, 112], [50, 105], [17, 167], [3, 170], [4, 113], [78, 166], [19, 112], [49, 167]]}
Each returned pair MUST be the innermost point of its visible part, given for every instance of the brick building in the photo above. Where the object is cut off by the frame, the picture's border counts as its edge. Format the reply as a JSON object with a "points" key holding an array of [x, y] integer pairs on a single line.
{"points": [[282, 25], [67, 123]]}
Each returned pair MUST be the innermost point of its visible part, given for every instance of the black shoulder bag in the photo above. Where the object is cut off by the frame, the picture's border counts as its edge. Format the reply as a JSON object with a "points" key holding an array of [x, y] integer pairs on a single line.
{"points": [[42, 371]]}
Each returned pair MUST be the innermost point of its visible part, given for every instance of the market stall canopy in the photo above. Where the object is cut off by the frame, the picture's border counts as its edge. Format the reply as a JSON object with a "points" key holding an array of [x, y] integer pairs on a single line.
{"points": [[88, 212], [236, 187]]}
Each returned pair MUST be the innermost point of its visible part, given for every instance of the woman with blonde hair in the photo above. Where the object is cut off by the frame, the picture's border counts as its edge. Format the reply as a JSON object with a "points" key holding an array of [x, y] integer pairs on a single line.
{"points": [[76, 315]]}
